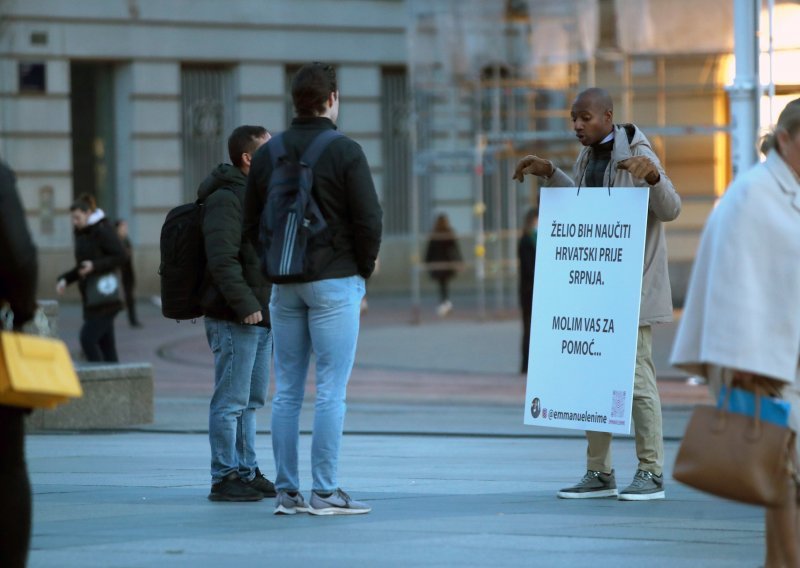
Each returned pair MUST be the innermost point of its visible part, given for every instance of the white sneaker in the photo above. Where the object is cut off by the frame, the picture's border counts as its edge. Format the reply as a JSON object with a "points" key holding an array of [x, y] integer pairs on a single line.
{"points": [[444, 308], [338, 503], [285, 504]]}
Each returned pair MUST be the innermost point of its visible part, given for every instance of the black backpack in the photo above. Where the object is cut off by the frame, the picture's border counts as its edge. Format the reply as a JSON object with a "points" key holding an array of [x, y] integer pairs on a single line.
{"points": [[291, 218], [183, 261]]}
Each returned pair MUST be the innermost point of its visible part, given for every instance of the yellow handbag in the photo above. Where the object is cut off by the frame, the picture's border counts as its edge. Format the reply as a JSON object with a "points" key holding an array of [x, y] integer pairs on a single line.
{"points": [[35, 372]]}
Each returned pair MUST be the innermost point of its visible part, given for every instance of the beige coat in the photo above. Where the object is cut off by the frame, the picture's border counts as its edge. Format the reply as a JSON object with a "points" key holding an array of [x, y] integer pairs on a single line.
{"points": [[665, 205], [743, 305]]}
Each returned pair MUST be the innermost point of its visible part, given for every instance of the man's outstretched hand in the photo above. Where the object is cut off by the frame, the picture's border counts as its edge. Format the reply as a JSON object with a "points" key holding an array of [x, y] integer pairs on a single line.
{"points": [[533, 165], [641, 167]]}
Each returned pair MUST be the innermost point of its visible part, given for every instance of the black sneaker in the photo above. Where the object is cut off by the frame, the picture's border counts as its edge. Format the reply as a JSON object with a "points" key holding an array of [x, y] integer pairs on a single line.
{"points": [[593, 485], [646, 486], [231, 488], [262, 484]]}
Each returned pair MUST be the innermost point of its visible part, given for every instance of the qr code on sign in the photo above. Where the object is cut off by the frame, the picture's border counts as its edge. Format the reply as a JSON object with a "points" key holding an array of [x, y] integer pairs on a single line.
{"points": [[618, 404]]}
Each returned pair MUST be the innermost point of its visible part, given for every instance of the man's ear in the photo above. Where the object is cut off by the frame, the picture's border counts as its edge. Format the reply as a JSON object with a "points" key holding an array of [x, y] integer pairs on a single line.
{"points": [[246, 159]]}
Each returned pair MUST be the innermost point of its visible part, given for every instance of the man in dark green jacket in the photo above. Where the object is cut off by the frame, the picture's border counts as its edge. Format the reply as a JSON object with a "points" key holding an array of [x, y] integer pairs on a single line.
{"points": [[235, 299]]}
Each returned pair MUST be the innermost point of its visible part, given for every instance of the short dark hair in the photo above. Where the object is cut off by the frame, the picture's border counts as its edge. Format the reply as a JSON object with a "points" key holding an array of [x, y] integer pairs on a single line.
{"points": [[243, 141], [311, 87], [84, 202]]}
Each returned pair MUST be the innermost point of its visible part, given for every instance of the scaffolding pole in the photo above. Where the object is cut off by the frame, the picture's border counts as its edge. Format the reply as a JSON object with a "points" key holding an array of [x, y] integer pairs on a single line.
{"points": [[416, 307], [745, 90], [479, 210]]}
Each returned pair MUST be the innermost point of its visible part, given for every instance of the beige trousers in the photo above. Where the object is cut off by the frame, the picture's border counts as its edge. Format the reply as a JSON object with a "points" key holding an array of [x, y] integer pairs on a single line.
{"points": [[646, 416]]}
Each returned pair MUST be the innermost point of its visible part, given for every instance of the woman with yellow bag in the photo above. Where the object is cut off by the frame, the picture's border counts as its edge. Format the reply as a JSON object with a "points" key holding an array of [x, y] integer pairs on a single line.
{"points": [[18, 272]]}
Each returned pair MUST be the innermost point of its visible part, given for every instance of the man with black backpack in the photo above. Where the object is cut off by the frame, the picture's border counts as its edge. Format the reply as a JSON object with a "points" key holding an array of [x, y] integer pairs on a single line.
{"points": [[311, 199], [233, 298]]}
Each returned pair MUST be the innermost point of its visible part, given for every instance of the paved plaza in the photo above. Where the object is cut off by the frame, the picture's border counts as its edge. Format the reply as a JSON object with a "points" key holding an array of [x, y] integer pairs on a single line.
{"points": [[434, 443]]}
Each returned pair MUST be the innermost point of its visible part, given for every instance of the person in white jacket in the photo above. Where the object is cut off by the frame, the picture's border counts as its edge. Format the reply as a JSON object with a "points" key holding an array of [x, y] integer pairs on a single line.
{"points": [[741, 319], [620, 155]]}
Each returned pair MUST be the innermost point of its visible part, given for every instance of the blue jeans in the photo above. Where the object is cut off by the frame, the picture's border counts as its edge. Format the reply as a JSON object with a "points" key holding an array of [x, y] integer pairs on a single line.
{"points": [[322, 316], [241, 375]]}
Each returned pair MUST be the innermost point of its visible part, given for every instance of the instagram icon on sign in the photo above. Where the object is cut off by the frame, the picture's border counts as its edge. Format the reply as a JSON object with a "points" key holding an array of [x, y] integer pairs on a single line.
{"points": [[536, 407]]}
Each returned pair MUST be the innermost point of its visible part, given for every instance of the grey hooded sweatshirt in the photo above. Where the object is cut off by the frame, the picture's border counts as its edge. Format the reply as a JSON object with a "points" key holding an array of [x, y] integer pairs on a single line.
{"points": [[665, 205]]}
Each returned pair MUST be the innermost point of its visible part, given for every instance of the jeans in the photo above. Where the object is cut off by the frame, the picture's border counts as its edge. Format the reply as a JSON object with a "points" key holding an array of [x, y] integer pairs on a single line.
{"points": [[241, 375], [97, 339], [322, 316]]}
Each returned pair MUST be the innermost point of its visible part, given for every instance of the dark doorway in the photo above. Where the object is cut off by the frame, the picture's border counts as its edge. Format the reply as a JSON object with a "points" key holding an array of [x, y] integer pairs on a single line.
{"points": [[92, 112]]}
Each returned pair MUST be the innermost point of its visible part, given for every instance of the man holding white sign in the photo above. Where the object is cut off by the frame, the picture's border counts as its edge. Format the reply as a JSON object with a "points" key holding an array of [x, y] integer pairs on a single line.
{"points": [[621, 156]]}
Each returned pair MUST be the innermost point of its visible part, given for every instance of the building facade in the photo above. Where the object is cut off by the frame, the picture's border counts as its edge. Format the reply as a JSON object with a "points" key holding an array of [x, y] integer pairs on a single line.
{"points": [[132, 101]]}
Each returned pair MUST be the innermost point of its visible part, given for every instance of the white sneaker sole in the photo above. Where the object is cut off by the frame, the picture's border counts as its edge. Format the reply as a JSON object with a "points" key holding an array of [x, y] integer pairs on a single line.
{"points": [[281, 510], [641, 496], [588, 495], [337, 511]]}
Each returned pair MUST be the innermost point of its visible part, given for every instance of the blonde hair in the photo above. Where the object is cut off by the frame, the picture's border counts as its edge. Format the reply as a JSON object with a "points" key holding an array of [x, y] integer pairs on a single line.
{"points": [[789, 120]]}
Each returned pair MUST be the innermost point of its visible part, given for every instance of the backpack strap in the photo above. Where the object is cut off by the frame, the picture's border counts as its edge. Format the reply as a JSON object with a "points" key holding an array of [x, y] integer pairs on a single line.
{"points": [[277, 150], [318, 145], [630, 130]]}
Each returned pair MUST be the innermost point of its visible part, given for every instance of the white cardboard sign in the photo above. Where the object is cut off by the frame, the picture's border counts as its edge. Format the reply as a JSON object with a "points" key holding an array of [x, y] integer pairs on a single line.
{"points": [[586, 295]]}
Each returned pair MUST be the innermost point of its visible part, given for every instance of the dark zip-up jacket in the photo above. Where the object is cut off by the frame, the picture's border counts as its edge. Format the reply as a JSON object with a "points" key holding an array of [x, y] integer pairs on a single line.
{"points": [[233, 287], [342, 188], [100, 244], [18, 266]]}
